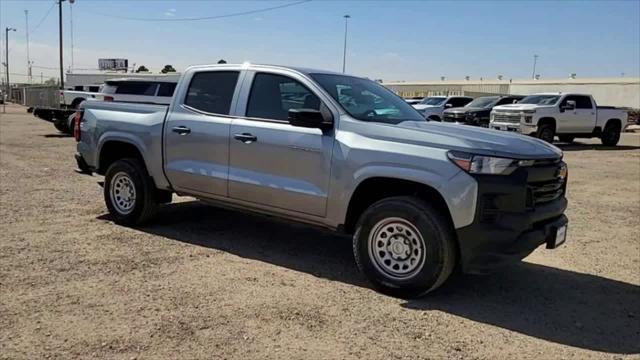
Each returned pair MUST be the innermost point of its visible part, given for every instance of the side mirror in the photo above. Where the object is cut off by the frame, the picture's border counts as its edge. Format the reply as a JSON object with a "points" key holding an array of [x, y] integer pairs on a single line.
{"points": [[570, 105], [310, 118]]}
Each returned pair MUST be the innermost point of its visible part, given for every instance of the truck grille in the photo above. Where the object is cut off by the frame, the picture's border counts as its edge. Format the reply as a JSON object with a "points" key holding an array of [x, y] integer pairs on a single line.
{"points": [[447, 117], [506, 118], [544, 183]]}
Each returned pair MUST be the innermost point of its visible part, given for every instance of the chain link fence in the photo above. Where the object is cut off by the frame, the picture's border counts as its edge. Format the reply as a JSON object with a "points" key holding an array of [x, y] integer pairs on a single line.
{"points": [[41, 97]]}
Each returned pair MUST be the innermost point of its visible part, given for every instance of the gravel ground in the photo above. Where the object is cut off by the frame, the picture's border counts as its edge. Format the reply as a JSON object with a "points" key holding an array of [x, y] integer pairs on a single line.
{"points": [[203, 282]]}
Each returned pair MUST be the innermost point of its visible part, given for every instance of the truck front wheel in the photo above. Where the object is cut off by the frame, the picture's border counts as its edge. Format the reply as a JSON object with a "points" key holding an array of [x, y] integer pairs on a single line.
{"points": [[611, 134], [404, 246], [129, 192], [546, 132]]}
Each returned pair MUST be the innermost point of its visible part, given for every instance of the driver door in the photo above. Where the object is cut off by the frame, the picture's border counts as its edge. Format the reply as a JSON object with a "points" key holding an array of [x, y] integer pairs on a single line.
{"points": [[271, 162]]}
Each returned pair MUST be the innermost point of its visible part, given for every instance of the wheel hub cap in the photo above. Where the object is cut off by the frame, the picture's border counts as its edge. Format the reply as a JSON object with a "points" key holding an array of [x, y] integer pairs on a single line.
{"points": [[123, 193], [397, 248]]}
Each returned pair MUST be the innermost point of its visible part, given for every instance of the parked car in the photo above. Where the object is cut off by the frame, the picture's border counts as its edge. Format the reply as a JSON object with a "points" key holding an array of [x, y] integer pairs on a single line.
{"points": [[432, 107], [123, 90], [568, 116], [419, 198], [70, 99], [414, 100], [478, 111], [138, 90]]}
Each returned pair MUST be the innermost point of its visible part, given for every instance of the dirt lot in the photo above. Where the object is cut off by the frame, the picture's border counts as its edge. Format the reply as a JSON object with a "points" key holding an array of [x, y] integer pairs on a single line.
{"points": [[208, 283]]}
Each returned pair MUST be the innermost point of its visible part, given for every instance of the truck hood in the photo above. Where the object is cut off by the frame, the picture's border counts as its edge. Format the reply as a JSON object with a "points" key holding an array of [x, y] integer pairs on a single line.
{"points": [[470, 139], [423, 106], [518, 107]]}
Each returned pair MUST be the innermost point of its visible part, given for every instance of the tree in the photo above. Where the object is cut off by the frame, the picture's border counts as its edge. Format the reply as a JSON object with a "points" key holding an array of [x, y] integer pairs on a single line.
{"points": [[222, 61], [51, 81], [167, 69], [142, 68]]}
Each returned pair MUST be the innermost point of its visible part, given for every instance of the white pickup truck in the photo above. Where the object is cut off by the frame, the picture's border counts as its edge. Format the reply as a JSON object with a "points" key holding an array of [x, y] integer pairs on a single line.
{"points": [[568, 116]]}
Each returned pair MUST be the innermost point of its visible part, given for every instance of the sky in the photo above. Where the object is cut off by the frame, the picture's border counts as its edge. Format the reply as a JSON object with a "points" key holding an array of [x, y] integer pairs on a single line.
{"points": [[389, 40]]}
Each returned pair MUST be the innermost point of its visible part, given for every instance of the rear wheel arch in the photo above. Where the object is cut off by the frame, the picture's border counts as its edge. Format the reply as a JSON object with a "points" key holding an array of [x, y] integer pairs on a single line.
{"points": [[114, 150], [612, 122]]}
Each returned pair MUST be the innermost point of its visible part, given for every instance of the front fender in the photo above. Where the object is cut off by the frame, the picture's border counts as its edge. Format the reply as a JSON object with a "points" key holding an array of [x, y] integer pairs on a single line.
{"points": [[459, 190]]}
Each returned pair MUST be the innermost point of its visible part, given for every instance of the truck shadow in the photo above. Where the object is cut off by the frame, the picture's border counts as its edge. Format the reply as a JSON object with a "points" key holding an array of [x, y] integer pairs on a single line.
{"points": [[581, 147], [565, 307]]}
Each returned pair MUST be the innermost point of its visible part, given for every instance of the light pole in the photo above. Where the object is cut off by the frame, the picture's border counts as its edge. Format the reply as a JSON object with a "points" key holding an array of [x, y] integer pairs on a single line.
{"points": [[344, 52], [535, 60], [60, 38], [6, 54]]}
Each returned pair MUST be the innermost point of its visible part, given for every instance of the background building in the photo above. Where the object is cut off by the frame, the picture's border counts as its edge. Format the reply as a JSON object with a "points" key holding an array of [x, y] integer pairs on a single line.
{"points": [[623, 92]]}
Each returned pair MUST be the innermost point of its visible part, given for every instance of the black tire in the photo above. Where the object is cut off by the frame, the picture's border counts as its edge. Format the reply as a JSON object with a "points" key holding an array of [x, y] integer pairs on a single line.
{"points": [[143, 206], [566, 138], [70, 124], [611, 134], [546, 132], [60, 125], [408, 214], [76, 103]]}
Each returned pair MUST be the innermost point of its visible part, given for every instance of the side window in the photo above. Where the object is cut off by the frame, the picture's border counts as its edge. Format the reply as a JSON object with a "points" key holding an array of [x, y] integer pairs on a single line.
{"points": [[583, 102], [272, 96], [94, 89], [78, 88], [166, 89], [459, 102], [212, 91], [137, 88], [506, 101]]}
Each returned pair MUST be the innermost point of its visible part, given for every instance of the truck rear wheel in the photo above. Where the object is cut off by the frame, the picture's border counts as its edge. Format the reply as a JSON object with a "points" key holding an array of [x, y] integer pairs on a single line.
{"points": [[404, 246], [611, 134], [129, 192], [546, 132]]}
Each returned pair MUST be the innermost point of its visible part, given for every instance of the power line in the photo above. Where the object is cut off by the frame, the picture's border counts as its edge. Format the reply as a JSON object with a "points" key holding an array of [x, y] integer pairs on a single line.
{"points": [[43, 18], [248, 12]]}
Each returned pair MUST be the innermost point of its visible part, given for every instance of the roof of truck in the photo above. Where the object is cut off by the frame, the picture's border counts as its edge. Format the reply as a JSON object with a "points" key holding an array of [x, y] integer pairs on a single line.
{"points": [[302, 70]]}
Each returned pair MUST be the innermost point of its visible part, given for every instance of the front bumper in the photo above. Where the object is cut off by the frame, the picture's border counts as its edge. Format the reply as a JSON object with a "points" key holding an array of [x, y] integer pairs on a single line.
{"points": [[509, 224], [526, 129]]}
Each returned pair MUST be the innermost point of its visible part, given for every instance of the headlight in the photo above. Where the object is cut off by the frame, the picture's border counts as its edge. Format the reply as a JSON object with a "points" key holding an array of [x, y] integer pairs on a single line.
{"points": [[480, 164]]}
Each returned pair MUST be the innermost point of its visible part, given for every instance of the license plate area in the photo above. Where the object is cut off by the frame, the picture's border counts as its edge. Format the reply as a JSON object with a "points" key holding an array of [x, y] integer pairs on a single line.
{"points": [[558, 239]]}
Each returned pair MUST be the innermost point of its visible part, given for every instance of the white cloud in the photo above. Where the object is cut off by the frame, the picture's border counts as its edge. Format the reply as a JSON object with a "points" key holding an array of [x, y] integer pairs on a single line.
{"points": [[168, 13]]}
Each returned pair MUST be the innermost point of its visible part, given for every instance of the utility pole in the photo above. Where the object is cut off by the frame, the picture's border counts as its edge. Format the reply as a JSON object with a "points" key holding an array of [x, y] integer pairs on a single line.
{"points": [[344, 52], [71, 29], [6, 54], [535, 60], [60, 38], [26, 18]]}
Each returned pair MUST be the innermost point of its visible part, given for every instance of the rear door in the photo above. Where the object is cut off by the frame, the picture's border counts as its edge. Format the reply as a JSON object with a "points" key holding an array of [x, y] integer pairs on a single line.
{"points": [[197, 133], [273, 163]]}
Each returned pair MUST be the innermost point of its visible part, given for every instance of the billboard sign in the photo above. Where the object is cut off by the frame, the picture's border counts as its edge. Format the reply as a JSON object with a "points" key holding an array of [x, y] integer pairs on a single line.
{"points": [[113, 64]]}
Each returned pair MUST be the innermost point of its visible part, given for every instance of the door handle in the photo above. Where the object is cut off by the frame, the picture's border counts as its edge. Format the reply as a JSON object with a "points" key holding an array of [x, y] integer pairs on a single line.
{"points": [[182, 130], [245, 138]]}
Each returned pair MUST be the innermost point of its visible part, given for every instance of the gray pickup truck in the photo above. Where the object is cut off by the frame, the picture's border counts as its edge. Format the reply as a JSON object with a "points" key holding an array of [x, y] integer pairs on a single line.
{"points": [[419, 198]]}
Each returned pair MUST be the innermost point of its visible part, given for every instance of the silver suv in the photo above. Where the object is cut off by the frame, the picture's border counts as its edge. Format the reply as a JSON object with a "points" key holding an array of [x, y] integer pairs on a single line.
{"points": [[342, 152]]}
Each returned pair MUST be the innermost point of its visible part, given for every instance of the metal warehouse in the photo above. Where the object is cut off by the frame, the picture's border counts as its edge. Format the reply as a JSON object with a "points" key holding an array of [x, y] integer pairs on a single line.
{"points": [[623, 91]]}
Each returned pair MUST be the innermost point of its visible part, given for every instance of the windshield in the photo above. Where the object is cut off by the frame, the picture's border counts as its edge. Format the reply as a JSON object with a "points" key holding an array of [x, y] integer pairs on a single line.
{"points": [[540, 99], [367, 100], [435, 101], [483, 102]]}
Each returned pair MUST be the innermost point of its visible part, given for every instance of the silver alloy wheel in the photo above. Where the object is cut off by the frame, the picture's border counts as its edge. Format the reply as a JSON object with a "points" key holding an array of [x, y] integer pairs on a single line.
{"points": [[123, 193], [396, 248]]}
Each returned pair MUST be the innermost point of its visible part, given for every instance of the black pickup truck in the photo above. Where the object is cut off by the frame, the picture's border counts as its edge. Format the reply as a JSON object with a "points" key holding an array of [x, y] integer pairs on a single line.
{"points": [[478, 111]]}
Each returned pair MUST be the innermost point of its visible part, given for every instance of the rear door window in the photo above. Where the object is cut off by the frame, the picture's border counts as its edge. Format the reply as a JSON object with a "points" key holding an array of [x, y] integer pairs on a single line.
{"points": [[137, 88], [212, 91], [166, 89], [583, 102]]}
